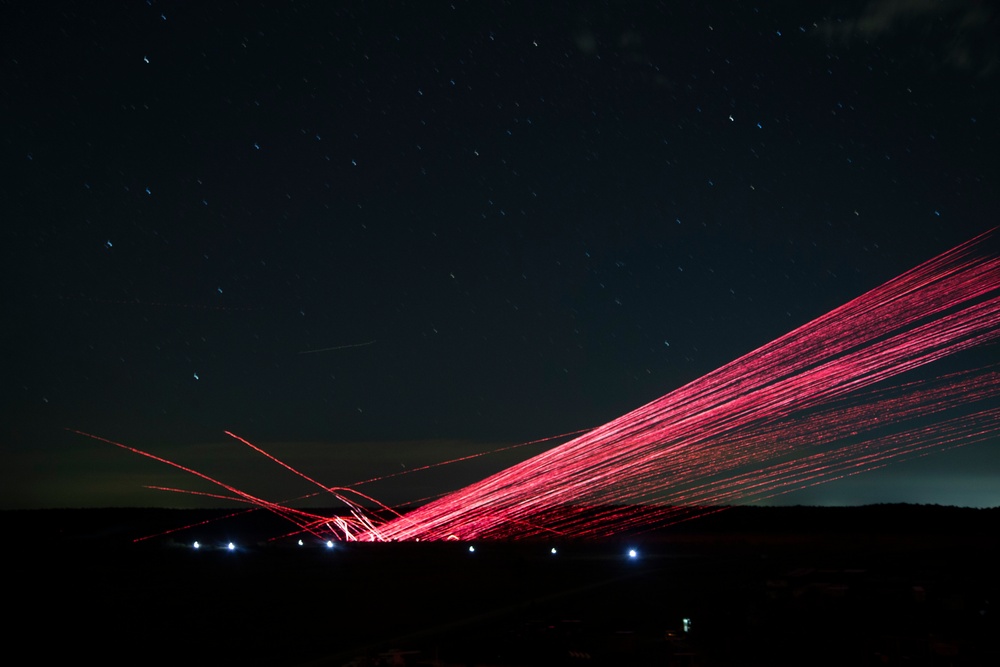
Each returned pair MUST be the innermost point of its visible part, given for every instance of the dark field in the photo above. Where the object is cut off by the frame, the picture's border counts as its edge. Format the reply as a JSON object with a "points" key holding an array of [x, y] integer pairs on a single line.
{"points": [[882, 585]]}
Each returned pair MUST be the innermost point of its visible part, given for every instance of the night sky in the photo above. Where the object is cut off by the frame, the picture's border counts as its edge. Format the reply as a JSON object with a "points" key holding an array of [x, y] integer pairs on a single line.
{"points": [[369, 236]]}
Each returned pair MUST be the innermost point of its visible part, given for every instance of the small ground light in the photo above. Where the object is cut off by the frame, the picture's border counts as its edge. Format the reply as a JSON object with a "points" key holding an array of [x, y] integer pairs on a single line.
{"points": [[552, 550], [301, 543], [329, 544], [686, 624], [472, 549], [231, 546], [632, 553], [196, 545]]}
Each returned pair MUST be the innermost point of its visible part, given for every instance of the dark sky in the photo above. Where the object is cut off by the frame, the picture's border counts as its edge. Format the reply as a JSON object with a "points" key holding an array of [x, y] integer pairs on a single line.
{"points": [[369, 236]]}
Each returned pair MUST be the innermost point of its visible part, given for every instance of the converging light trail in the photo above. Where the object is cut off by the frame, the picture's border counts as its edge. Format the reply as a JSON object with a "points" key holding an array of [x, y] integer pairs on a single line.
{"points": [[812, 406], [778, 418]]}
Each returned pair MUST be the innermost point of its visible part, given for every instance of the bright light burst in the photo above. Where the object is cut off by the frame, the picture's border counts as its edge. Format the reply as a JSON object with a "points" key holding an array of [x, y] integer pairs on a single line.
{"points": [[812, 406]]}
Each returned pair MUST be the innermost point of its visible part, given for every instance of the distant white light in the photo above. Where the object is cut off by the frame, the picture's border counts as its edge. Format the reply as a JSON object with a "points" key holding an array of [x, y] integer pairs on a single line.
{"points": [[632, 553], [687, 624], [301, 543], [196, 545], [231, 546], [553, 550], [329, 544], [472, 549]]}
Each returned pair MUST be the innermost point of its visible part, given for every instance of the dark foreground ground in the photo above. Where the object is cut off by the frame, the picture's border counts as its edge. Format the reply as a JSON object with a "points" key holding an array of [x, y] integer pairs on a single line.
{"points": [[883, 585]]}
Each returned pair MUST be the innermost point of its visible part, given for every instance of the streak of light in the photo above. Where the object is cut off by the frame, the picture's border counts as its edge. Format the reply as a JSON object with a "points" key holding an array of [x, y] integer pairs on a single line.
{"points": [[809, 407], [338, 347], [752, 427]]}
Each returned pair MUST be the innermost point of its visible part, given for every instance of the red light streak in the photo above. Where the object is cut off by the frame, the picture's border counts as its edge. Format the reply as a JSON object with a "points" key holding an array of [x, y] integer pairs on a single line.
{"points": [[756, 411], [804, 409], [306, 521]]}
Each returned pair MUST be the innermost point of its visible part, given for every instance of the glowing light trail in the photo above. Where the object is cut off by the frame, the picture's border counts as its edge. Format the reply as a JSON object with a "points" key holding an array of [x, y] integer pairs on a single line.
{"points": [[306, 521], [744, 414], [804, 409]]}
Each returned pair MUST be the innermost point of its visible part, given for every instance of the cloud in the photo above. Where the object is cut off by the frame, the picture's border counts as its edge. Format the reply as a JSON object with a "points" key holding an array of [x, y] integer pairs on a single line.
{"points": [[958, 34]]}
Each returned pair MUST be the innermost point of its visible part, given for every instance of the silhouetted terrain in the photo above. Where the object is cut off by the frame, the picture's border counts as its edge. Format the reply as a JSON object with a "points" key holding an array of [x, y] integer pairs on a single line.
{"points": [[888, 584]]}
